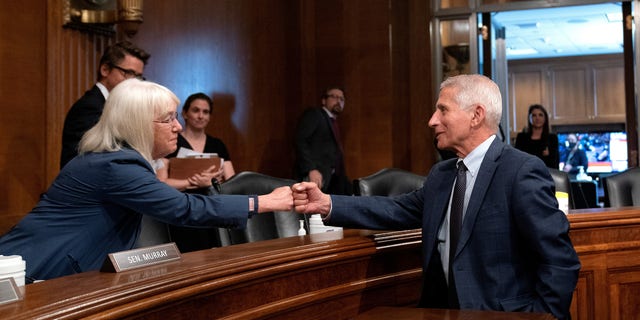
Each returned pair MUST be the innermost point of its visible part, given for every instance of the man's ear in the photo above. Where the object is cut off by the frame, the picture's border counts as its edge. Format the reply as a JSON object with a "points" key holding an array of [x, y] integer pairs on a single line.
{"points": [[478, 115], [104, 70]]}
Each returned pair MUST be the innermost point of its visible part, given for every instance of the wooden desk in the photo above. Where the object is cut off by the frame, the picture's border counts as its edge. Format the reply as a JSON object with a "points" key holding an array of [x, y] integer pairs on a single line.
{"points": [[608, 244], [330, 276], [395, 313]]}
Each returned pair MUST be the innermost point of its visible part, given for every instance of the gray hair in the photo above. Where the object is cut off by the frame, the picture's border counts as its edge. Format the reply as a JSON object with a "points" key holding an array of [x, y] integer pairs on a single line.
{"points": [[474, 89], [127, 118]]}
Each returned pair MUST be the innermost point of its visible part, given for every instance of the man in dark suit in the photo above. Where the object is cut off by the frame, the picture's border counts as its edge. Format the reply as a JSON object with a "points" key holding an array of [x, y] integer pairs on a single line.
{"points": [[320, 157], [512, 252], [120, 61]]}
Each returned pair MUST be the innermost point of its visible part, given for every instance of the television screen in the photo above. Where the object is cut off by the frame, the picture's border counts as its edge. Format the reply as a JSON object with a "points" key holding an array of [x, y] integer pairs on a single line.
{"points": [[605, 151]]}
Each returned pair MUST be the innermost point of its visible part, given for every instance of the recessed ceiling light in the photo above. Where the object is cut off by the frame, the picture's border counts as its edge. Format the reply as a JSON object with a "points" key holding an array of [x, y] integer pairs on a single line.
{"points": [[519, 52], [528, 25], [614, 17]]}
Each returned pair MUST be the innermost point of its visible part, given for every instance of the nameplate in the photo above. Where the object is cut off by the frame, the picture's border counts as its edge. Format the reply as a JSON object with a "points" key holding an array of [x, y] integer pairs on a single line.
{"points": [[9, 291], [141, 257]]}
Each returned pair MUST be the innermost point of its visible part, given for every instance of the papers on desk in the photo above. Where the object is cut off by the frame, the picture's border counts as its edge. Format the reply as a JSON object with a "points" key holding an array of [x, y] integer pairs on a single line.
{"points": [[188, 153], [189, 162]]}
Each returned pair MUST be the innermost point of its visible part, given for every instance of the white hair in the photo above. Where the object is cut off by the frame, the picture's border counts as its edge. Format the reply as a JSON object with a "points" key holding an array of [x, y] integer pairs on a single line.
{"points": [[127, 118], [476, 89]]}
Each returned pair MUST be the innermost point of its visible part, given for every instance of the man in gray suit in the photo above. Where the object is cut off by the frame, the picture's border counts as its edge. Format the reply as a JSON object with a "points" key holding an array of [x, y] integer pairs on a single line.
{"points": [[512, 252]]}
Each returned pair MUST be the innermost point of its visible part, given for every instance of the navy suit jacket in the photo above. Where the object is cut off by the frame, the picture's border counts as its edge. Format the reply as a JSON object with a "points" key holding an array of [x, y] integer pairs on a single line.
{"points": [[514, 252], [82, 116]]}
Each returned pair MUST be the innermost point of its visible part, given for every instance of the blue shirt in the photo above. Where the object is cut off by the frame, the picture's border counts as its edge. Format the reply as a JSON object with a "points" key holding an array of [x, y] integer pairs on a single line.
{"points": [[472, 161]]}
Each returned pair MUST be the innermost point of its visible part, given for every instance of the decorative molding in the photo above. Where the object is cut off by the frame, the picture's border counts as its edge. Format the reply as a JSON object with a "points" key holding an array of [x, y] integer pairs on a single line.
{"points": [[95, 16], [101, 16]]}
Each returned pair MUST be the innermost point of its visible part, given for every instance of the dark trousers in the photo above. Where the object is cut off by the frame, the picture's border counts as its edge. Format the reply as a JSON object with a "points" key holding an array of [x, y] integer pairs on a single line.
{"points": [[434, 285]]}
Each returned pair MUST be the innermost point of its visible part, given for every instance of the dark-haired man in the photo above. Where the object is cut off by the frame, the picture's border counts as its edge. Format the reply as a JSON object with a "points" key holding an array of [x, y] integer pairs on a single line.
{"points": [[320, 157], [121, 61]]}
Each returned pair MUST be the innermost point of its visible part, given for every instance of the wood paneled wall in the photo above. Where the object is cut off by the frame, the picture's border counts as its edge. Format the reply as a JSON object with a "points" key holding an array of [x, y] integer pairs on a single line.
{"points": [[263, 61], [23, 100]]}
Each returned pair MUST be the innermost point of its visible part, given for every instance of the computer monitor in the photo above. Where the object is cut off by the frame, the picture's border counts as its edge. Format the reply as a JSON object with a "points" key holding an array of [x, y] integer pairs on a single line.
{"points": [[606, 151]]}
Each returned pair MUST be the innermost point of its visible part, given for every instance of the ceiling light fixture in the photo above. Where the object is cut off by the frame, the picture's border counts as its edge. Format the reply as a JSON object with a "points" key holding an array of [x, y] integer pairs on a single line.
{"points": [[100, 16]]}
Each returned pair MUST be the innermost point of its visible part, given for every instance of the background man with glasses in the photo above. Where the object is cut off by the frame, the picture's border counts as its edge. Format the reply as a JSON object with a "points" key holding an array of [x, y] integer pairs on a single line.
{"points": [[121, 61], [319, 152]]}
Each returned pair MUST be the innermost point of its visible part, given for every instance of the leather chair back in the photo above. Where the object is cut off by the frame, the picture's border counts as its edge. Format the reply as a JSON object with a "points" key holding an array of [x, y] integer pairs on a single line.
{"points": [[563, 184], [264, 226], [152, 232], [622, 189], [388, 182]]}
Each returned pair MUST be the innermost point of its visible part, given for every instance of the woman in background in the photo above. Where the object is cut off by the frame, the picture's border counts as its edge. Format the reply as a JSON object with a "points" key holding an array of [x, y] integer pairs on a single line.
{"points": [[197, 113], [536, 138]]}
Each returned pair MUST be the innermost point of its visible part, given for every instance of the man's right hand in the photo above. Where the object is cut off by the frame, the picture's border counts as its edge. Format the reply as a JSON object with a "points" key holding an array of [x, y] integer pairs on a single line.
{"points": [[308, 198]]}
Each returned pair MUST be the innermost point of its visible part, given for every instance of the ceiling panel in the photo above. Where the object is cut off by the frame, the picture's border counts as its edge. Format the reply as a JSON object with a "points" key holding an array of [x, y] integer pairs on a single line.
{"points": [[565, 31]]}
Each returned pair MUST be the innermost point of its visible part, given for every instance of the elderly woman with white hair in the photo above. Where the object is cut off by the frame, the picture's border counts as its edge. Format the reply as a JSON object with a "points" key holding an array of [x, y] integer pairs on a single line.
{"points": [[95, 205]]}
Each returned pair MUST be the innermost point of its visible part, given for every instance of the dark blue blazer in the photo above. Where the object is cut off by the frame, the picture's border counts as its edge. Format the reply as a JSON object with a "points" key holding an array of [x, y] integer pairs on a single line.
{"points": [[94, 207], [514, 252]]}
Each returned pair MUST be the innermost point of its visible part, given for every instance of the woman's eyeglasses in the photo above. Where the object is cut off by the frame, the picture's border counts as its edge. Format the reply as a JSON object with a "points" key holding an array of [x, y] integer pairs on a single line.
{"points": [[170, 120]]}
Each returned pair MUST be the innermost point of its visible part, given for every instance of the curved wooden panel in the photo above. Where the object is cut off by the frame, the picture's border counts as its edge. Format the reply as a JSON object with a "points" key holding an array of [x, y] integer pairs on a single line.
{"points": [[333, 275], [329, 275]]}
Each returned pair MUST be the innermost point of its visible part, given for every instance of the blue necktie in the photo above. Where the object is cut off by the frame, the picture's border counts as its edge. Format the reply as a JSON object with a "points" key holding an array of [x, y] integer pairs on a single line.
{"points": [[455, 224]]}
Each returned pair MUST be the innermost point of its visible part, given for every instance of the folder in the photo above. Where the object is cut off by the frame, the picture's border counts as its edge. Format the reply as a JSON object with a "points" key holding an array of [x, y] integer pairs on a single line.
{"points": [[183, 168]]}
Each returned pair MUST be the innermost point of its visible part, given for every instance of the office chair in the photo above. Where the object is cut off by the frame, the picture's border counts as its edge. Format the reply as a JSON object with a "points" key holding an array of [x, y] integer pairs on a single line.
{"points": [[388, 182], [622, 189], [563, 184], [152, 232], [264, 226]]}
